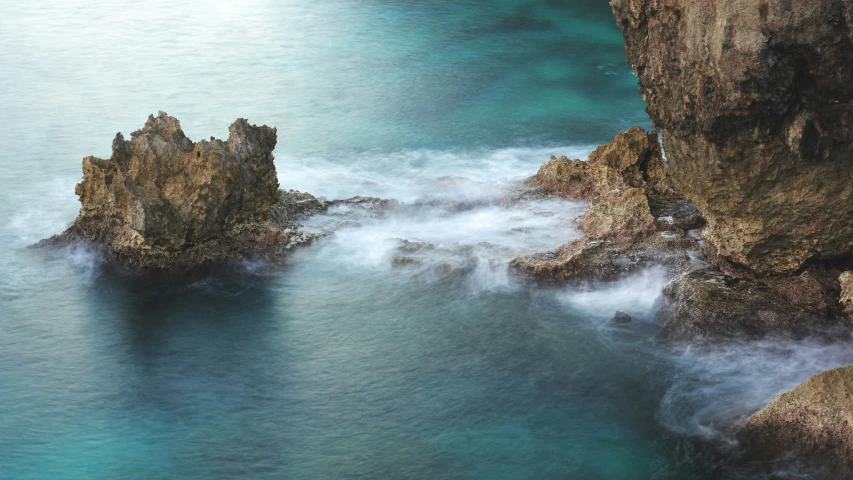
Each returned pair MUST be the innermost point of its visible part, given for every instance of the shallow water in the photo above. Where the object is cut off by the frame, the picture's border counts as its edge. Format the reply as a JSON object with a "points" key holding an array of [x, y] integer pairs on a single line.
{"points": [[346, 364]]}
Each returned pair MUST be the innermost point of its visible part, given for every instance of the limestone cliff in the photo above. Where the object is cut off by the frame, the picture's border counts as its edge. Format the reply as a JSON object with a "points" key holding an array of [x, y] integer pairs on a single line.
{"points": [[754, 101]]}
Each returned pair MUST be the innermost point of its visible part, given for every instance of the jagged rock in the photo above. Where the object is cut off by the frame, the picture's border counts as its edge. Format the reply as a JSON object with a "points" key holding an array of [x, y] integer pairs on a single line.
{"points": [[813, 422], [618, 180], [710, 305], [162, 202], [563, 177], [402, 261], [627, 187], [293, 205], [606, 260], [754, 101], [407, 246]]}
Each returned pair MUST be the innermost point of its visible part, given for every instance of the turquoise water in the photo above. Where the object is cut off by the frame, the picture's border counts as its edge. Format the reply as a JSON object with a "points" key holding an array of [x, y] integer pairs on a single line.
{"points": [[342, 365]]}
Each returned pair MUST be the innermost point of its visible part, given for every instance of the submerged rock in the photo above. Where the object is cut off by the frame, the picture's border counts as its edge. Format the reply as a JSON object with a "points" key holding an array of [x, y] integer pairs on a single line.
{"points": [[162, 202], [621, 318], [755, 105], [813, 422]]}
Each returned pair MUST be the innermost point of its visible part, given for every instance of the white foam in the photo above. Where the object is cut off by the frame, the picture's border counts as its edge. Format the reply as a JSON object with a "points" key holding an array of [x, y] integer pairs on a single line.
{"points": [[476, 239], [635, 295], [715, 389], [418, 174]]}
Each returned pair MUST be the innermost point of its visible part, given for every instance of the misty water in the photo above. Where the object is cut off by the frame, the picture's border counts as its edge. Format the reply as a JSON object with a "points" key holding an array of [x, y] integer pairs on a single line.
{"points": [[347, 364]]}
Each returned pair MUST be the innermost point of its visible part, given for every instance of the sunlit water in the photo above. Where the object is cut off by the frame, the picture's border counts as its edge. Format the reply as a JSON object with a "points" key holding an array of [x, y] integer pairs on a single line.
{"points": [[346, 364]]}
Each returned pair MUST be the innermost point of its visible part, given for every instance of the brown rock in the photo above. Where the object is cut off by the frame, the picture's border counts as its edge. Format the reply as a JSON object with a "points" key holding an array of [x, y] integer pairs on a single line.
{"points": [[293, 205], [711, 306], [162, 202], [564, 178], [627, 187], [617, 179], [754, 101], [846, 281], [606, 260], [814, 421]]}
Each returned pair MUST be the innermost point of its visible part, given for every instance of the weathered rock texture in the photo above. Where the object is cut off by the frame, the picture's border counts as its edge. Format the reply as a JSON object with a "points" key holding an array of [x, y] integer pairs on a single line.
{"points": [[709, 305], [754, 100], [634, 218], [846, 281], [162, 202], [814, 421]]}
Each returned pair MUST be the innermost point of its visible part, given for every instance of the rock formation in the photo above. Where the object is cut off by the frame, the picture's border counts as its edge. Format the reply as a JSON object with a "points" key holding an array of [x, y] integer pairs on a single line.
{"points": [[634, 218], [162, 202], [813, 421], [709, 305], [754, 102]]}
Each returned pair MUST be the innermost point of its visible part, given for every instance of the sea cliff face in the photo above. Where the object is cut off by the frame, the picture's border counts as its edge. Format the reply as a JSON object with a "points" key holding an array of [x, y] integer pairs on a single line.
{"points": [[755, 106]]}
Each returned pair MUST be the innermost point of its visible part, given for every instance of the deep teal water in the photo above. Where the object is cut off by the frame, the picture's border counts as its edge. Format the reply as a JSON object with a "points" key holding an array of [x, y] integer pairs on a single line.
{"points": [[341, 365]]}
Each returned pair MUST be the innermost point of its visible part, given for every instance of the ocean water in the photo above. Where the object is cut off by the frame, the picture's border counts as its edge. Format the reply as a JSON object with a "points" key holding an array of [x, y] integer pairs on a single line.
{"points": [[347, 364]]}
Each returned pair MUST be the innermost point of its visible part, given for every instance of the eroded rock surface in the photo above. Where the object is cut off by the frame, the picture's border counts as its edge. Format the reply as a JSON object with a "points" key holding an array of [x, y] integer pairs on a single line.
{"points": [[709, 305], [163, 202], [846, 281], [754, 101], [814, 421], [634, 219]]}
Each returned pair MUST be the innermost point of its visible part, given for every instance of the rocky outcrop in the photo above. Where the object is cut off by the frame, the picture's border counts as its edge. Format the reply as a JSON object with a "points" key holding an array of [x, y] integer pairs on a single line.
{"points": [[162, 202], [754, 102], [709, 305], [634, 219], [564, 178], [814, 422], [294, 205]]}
